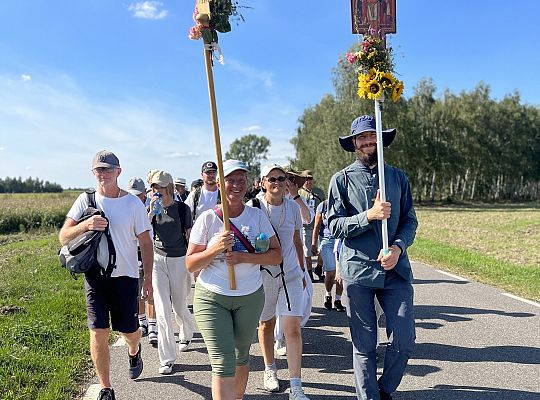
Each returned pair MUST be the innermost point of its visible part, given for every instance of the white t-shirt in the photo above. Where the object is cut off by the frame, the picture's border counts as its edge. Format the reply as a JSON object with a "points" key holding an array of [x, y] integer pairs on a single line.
{"points": [[127, 219], [207, 201], [215, 277], [286, 219]]}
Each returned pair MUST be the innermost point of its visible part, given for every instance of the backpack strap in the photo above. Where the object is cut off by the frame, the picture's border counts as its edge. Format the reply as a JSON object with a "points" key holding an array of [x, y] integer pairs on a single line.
{"points": [[257, 203], [243, 239], [111, 265], [196, 198], [182, 214], [91, 196]]}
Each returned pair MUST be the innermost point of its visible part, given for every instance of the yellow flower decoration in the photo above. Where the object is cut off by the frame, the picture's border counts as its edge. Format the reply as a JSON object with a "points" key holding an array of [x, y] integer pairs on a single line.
{"points": [[397, 91], [372, 74], [362, 86], [386, 79], [374, 89]]}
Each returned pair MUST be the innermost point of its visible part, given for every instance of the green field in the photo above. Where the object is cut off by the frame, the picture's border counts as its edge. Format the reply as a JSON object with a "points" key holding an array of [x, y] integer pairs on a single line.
{"points": [[43, 337], [497, 245]]}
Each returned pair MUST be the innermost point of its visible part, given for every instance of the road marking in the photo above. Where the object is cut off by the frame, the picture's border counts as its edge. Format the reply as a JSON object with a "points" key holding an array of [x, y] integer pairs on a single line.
{"points": [[92, 392], [459, 278], [532, 303]]}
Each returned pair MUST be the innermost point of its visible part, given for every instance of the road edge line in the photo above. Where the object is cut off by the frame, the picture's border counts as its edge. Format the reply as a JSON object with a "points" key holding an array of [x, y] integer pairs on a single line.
{"points": [[459, 278], [513, 296]]}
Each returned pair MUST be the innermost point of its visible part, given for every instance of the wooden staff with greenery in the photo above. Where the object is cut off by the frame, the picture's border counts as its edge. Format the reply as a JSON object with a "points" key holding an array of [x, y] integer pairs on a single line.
{"points": [[212, 16]]}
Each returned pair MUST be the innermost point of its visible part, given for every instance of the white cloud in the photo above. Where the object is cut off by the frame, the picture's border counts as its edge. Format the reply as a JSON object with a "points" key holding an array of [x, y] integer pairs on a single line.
{"points": [[148, 10], [26, 78], [252, 128], [182, 155], [251, 73], [57, 112]]}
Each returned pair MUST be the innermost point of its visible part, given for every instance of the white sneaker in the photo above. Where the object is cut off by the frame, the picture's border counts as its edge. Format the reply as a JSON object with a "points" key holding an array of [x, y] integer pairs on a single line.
{"points": [[271, 382], [281, 348], [166, 369], [184, 345], [297, 393], [152, 338]]}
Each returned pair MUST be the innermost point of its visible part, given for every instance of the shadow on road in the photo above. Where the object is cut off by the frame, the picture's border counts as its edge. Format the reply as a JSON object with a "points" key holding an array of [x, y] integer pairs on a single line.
{"points": [[443, 392], [505, 354], [434, 281], [457, 314]]}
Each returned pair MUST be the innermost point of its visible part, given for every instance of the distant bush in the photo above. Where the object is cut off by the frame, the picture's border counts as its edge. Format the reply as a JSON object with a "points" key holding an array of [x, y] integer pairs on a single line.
{"points": [[29, 185]]}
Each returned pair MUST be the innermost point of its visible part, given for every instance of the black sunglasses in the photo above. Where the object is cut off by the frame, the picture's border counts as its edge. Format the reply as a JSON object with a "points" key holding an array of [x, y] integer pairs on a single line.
{"points": [[278, 179]]}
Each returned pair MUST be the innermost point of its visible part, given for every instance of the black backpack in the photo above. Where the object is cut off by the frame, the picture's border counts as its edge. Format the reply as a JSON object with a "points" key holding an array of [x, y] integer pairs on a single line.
{"points": [[80, 255]]}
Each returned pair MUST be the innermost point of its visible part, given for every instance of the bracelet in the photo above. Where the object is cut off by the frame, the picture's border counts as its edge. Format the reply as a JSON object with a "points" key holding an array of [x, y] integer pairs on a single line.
{"points": [[295, 197]]}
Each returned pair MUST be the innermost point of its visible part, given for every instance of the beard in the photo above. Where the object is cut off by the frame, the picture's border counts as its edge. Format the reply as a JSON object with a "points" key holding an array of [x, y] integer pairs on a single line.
{"points": [[368, 160]]}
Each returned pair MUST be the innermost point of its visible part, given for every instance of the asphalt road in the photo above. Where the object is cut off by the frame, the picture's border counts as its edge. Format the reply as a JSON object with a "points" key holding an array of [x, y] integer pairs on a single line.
{"points": [[473, 342]]}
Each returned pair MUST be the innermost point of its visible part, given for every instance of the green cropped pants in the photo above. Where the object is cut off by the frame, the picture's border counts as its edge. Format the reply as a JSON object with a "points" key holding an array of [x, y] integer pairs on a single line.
{"points": [[227, 325]]}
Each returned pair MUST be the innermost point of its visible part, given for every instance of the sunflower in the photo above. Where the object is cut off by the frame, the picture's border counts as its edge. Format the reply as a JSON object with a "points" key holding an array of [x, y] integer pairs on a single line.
{"points": [[374, 89], [362, 85], [386, 79], [371, 74], [397, 91]]}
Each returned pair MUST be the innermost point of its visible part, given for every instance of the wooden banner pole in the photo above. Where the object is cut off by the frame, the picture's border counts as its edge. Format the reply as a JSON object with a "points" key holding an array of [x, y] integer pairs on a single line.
{"points": [[217, 142]]}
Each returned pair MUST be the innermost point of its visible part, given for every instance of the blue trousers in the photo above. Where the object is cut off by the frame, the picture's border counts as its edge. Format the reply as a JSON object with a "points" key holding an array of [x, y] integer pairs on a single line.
{"points": [[396, 300]]}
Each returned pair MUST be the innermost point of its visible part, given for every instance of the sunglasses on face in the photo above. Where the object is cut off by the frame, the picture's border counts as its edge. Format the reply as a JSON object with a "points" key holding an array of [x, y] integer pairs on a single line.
{"points": [[103, 170], [273, 179]]}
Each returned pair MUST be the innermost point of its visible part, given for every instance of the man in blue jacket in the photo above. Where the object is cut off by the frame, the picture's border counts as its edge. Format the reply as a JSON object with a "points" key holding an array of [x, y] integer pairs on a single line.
{"points": [[355, 214]]}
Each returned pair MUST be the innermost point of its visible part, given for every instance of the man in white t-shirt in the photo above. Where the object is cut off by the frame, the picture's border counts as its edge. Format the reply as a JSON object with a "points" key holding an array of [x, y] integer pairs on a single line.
{"points": [[113, 300], [205, 197]]}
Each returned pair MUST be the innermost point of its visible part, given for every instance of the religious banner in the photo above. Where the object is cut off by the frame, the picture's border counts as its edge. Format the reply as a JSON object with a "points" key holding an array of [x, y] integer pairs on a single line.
{"points": [[380, 15], [374, 65]]}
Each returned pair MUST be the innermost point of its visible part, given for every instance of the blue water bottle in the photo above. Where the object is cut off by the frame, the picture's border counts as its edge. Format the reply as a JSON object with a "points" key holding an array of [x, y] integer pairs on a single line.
{"points": [[262, 243], [157, 208]]}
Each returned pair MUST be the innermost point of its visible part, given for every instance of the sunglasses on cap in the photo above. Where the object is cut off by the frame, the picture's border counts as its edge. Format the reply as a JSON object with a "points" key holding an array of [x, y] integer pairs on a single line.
{"points": [[273, 179]]}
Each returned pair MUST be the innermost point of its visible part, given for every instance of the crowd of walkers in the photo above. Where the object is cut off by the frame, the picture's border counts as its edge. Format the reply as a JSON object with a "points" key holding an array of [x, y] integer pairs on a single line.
{"points": [[169, 240]]}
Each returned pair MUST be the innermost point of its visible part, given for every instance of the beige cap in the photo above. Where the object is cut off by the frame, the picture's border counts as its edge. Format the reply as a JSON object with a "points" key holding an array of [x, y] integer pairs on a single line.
{"points": [[160, 178]]}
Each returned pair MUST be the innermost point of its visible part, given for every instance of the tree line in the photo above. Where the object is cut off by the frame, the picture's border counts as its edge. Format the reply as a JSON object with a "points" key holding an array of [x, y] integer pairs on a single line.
{"points": [[453, 147], [29, 185]]}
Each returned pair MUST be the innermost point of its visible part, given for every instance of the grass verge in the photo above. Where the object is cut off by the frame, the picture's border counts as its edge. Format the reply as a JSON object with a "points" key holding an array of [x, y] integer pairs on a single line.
{"points": [[523, 280], [43, 337]]}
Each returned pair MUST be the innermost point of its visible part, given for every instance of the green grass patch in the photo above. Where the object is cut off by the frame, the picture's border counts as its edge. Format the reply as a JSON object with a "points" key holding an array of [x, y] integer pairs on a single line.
{"points": [[44, 350], [523, 280], [30, 211]]}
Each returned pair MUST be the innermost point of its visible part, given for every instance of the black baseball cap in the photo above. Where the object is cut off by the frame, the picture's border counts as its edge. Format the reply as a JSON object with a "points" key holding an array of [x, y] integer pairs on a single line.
{"points": [[209, 166]]}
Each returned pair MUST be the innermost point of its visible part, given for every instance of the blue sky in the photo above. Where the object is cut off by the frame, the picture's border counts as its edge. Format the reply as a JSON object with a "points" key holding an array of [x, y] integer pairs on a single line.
{"points": [[80, 76]]}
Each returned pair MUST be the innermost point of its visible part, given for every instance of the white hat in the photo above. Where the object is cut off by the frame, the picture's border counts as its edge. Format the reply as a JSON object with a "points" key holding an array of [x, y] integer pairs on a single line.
{"points": [[267, 168], [180, 181], [230, 166]]}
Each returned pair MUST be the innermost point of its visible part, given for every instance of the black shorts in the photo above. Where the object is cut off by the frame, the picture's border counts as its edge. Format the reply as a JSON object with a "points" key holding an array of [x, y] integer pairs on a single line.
{"points": [[116, 298]]}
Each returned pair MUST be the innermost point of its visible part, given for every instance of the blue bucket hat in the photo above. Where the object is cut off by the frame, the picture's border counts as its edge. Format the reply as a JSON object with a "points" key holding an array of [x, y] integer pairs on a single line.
{"points": [[363, 124]]}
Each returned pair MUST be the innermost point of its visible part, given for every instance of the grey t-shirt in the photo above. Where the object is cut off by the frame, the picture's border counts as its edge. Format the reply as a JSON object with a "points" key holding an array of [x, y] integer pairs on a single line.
{"points": [[168, 236]]}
